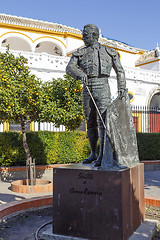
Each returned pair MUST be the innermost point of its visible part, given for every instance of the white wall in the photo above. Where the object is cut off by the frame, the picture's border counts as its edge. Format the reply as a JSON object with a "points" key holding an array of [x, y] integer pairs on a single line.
{"points": [[140, 82], [153, 66], [128, 59]]}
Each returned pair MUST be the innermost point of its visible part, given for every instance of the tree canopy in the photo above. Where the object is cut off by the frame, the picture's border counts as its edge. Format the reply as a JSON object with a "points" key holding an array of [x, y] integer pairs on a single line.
{"points": [[21, 99], [63, 102], [20, 91]]}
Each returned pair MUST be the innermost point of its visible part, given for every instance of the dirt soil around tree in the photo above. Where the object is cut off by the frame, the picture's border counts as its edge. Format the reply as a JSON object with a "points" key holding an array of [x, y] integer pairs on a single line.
{"points": [[25, 225]]}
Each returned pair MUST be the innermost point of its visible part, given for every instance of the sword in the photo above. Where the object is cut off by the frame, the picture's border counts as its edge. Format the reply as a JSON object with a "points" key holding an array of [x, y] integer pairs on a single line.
{"points": [[110, 141]]}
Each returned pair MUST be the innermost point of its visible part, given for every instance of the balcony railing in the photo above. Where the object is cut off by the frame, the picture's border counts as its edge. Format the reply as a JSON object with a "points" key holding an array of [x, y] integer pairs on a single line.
{"points": [[146, 119], [45, 61], [42, 61]]}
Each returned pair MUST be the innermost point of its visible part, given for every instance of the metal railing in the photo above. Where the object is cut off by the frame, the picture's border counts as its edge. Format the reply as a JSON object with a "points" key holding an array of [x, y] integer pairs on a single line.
{"points": [[146, 119]]}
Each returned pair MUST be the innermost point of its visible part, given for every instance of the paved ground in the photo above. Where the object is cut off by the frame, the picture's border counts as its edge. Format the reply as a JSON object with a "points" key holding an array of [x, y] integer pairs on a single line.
{"points": [[152, 184], [6, 195], [152, 189]]}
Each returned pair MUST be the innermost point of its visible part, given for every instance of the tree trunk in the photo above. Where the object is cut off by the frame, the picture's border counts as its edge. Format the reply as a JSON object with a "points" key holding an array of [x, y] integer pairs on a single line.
{"points": [[29, 163]]}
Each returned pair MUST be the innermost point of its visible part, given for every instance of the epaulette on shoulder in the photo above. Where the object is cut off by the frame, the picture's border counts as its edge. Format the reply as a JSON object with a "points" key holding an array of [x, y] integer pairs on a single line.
{"points": [[79, 52], [111, 52]]}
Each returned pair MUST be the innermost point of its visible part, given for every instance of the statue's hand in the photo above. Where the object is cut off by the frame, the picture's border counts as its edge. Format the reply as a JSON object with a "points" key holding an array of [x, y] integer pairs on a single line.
{"points": [[121, 93], [83, 78]]}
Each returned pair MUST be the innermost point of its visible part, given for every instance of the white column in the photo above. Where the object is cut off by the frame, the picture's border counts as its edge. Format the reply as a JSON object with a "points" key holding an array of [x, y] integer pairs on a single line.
{"points": [[41, 126], [1, 127], [36, 126]]}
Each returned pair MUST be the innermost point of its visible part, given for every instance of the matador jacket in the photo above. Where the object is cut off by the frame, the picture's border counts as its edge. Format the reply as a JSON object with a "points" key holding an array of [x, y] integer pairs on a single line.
{"points": [[96, 61]]}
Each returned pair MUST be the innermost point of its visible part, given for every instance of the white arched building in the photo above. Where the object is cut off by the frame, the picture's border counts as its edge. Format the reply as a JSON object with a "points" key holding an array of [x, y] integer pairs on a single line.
{"points": [[48, 47]]}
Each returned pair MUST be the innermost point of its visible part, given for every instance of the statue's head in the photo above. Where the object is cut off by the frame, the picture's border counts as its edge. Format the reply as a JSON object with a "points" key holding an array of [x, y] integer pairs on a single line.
{"points": [[90, 34]]}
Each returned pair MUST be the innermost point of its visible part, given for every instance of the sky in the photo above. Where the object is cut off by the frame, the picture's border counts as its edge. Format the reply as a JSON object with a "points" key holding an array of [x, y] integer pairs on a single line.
{"points": [[135, 22]]}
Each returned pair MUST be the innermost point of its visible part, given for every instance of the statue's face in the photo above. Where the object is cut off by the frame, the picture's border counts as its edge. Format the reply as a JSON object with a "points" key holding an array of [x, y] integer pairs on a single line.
{"points": [[89, 37]]}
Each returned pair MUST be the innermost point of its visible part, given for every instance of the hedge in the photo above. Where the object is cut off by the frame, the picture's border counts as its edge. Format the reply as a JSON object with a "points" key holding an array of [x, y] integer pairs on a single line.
{"points": [[46, 147], [63, 147], [148, 146]]}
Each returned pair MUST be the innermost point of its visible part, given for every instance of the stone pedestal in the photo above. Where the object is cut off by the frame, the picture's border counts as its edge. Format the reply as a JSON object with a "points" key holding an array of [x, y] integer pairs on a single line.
{"points": [[96, 203]]}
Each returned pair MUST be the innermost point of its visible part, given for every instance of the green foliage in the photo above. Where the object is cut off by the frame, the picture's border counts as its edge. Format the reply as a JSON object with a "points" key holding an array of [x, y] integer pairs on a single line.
{"points": [[148, 146], [45, 147], [20, 91], [63, 147], [11, 149], [63, 102]]}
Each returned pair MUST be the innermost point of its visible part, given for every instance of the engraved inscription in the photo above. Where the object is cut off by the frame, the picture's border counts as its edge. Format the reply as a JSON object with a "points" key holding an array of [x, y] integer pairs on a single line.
{"points": [[72, 190], [86, 191], [85, 176]]}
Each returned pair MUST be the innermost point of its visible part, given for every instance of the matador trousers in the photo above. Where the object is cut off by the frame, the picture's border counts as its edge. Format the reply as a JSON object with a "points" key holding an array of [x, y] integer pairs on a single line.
{"points": [[100, 90]]}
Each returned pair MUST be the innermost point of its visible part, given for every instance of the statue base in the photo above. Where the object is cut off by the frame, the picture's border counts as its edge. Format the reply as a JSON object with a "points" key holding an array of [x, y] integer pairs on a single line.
{"points": [[97, 203]]}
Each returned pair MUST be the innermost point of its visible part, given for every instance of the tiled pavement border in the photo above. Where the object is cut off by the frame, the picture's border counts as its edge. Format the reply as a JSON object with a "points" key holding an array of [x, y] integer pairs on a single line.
{"points": [[42, 167], [23, 168], [21, 205], [152, 201]]}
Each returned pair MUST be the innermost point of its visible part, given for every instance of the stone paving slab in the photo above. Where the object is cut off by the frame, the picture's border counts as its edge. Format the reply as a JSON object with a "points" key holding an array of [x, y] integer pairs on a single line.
{"points": [[48, 235], [145, 231]]}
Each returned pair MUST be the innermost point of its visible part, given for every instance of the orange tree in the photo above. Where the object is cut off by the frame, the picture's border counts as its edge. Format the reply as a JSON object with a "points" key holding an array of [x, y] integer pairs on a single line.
{"points": [[63, 102], [21, 97]]}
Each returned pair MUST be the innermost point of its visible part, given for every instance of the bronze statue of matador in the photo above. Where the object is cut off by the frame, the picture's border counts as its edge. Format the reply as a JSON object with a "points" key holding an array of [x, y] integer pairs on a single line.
{"points": [[92, 65]]}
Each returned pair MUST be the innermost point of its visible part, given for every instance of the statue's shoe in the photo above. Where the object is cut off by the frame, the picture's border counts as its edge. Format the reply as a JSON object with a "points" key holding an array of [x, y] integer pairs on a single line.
{"points": [[97, 163], [88, 160]]}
